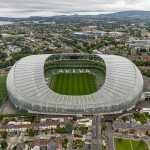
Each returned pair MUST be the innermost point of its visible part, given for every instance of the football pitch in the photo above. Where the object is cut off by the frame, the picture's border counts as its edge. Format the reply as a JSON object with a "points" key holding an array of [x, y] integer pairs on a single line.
{"points": [[127, 144], [3, 90], [74, 83]]}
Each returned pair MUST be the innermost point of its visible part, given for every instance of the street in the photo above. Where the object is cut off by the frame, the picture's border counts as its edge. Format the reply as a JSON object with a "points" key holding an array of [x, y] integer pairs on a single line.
{"points": [[129, 125], [96, 133], [110, 136]]}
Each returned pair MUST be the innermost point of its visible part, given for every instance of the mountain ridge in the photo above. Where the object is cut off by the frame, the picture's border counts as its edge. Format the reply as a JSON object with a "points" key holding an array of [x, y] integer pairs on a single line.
{"points": [[121, 14]]}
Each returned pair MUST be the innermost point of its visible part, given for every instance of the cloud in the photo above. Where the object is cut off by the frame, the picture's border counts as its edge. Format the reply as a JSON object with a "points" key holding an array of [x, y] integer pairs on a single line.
{"points": [[24, 8]]}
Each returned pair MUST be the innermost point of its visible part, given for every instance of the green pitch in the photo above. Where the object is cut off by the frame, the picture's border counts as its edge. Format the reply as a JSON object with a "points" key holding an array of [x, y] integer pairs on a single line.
{"points": [[127, 144], [74, 84], [3, 90]]}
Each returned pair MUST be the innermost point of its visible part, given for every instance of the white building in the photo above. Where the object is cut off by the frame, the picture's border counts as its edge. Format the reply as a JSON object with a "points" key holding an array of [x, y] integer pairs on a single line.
{"points": [[138, 44]]}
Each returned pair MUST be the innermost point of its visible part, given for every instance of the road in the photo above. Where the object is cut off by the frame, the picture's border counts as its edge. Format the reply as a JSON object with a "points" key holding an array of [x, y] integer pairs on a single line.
{"points": [[96, 133], [110, 136], [129, 125]]}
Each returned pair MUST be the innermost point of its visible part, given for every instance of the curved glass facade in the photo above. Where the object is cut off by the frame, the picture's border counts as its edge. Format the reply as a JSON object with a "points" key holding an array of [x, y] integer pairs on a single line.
{"points": [[28, 90]]}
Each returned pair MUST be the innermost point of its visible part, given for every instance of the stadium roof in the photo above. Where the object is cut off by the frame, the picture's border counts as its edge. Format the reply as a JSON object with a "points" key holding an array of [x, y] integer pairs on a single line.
{"points": [[121, 90]]}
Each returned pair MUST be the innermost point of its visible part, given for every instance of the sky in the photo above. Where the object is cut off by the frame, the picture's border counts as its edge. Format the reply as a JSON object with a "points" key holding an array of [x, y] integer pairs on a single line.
{"points": [[26, 8]]}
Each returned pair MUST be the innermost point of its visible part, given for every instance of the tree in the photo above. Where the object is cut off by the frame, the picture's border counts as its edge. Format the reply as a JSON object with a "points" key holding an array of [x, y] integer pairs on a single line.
{"points": [[1, 117], [68, 127], [124, 118], [132, 131], [3, 55], [46, 131], [10, 119], [4, 134], [78, 144], [4, 144], [31, 132], [114, 117], [52, 130], [147, 133], [104, 127], [64, 143], [117, 130]]}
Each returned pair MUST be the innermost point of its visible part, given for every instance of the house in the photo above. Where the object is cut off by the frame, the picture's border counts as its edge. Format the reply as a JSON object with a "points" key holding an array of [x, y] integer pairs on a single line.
{"points": [[36, 126], [47, 144]]}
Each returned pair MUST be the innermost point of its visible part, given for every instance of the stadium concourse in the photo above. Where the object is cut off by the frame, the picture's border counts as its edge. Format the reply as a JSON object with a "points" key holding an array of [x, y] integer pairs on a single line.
{"points": [[74, 84]]}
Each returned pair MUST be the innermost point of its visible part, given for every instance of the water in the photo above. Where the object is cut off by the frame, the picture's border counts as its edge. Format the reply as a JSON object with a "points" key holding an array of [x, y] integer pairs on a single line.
{"points": [[5, 22]]}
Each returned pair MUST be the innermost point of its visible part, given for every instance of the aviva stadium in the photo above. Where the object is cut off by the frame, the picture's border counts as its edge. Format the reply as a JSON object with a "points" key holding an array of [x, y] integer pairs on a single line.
{"points": [[74, 84]]}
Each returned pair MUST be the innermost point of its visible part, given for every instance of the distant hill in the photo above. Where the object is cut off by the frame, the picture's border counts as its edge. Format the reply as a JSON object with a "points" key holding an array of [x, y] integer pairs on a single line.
{"points": [[122, 14], [127, 14]]}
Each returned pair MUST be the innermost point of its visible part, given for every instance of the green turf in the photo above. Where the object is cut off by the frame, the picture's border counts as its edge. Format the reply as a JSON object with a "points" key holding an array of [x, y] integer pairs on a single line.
{"points": [[138, 145], [122, 144], [3, 90], [125, 144], [74, 84]]}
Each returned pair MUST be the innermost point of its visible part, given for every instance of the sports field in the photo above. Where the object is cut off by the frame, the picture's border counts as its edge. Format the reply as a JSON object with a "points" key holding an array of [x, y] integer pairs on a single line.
{"points": [[126, 144], [3, 90], [74, 83]]}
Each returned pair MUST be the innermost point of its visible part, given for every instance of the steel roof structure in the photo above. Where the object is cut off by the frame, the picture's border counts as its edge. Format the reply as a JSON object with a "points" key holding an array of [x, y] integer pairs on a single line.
{"points": [[28, 90]]}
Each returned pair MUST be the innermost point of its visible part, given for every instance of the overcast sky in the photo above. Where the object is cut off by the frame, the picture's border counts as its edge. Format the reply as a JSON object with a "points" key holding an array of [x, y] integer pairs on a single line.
{"points": [[25, 8]]}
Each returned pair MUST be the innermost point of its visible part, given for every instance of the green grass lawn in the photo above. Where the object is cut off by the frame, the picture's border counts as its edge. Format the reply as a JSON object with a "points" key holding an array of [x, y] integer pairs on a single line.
{"points": [[138, 145], [124, 144], [3, 90], [74, 84]]}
